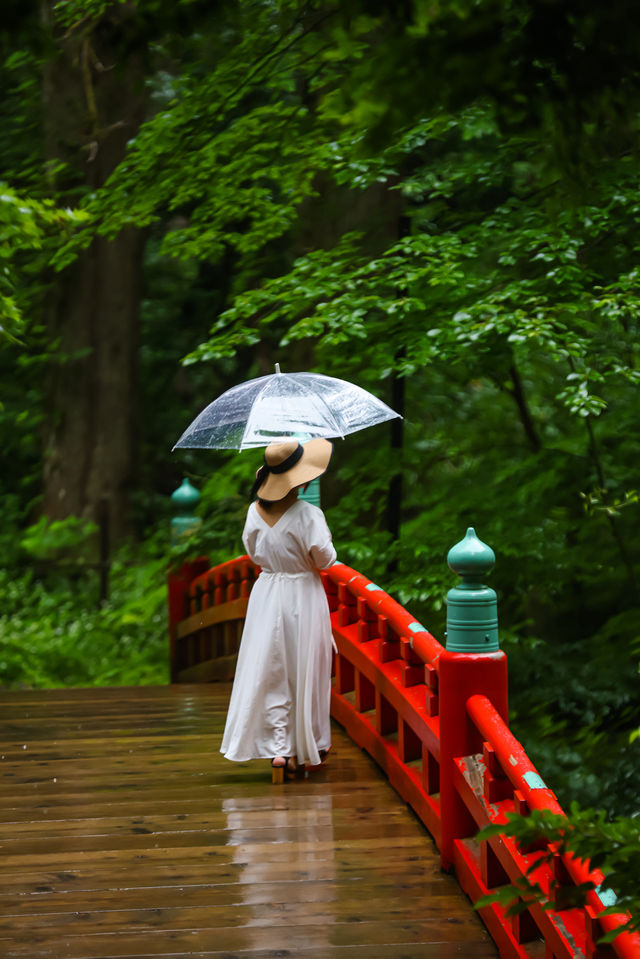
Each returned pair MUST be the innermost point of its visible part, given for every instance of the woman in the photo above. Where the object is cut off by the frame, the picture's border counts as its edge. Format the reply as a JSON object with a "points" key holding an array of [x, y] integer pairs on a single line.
{"points": [[279, 706]]}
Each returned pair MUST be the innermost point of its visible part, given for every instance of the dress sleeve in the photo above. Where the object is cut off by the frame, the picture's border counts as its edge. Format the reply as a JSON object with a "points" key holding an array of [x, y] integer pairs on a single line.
{"points": [[319, 544], [248, 535]]}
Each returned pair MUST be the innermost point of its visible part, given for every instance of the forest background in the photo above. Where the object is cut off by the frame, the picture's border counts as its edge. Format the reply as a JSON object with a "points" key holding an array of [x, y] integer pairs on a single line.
{"points": [[436, 199]]}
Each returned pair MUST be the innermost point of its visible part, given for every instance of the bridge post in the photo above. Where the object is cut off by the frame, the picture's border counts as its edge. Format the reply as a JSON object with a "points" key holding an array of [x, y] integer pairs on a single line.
{"points": [[178, 582], [471, 663], [183, 500]]}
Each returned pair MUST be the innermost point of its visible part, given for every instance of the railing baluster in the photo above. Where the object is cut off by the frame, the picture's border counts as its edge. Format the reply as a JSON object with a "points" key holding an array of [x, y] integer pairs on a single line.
{"points": [[430, 772], [409, 744], [365, 694], [491, 869], [525, 928], [345, 675], [386, 715], [412, 666], [496, 785], [432, 700], [347, 611]]}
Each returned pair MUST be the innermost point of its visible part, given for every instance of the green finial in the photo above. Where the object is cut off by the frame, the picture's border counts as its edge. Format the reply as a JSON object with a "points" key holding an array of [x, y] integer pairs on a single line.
{"points": [[184, 499], [472, 609], [471, 558]]}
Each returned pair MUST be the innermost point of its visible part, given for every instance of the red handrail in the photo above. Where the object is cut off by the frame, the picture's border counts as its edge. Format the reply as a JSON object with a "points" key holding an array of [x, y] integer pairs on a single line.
{"points": [[380, 603]]}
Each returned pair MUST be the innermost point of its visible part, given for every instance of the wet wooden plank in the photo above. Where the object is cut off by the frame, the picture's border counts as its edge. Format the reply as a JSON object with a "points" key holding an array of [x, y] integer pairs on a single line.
{"points": [[191, 915], [124, 833], [347, 892], [225, 941], [162, 867]]}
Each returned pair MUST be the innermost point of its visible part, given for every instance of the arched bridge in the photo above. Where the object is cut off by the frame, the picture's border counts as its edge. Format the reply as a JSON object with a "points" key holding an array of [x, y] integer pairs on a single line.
{"points": [[436, 722], [124, 834]]}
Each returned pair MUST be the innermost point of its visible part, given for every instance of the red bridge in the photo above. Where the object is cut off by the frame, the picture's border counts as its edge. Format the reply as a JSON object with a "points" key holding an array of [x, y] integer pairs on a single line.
{"points": [[125, 834], [436, 723]]}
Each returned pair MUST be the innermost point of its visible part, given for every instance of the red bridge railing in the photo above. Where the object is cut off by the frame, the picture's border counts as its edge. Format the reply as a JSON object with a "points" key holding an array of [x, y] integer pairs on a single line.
{"points": [[435, 721]]}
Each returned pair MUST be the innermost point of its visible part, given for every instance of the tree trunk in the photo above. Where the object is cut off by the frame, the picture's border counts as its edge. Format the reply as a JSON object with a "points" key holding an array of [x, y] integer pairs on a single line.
{"points": [[94, 102], [90, 439]]}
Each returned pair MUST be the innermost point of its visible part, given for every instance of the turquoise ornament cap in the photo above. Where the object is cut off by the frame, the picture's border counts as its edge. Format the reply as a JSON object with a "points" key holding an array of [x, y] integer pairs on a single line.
{"points": [[186, 497], [184, 500], [472, 608]]}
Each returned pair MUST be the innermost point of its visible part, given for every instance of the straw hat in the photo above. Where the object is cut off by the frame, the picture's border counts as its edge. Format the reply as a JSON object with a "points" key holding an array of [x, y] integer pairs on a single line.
{"points": [[289, 464]]}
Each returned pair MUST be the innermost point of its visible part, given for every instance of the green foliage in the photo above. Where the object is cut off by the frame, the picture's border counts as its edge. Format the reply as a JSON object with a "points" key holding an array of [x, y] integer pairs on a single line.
{"points": [[69, 12], [48, 539], [26, 224], [249, 144], [52, 632], [610, 846]]}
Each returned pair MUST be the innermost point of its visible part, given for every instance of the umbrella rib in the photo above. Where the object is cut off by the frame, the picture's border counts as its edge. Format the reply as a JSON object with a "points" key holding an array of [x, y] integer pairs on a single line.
{"points": [[331, 415], [259, 394]]}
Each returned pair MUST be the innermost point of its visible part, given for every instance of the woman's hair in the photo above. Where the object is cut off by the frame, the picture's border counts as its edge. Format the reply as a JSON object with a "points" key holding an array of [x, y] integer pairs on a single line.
{"points": [[269, 502]]}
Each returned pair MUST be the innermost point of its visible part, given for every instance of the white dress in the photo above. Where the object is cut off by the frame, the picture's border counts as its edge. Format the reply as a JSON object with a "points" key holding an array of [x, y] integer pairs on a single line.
{"points": [[281, 693]]}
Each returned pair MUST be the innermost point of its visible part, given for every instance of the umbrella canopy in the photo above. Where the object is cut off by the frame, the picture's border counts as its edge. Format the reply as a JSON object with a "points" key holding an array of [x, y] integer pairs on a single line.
{"points": [[283, 405]]}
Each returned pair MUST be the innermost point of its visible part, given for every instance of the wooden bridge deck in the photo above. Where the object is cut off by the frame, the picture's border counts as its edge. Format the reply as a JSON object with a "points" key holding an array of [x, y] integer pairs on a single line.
{"points": [[123, 833]]}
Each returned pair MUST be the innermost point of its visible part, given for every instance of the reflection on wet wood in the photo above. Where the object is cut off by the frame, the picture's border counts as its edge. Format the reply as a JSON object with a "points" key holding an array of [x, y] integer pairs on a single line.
{"points": [[124, 833]]}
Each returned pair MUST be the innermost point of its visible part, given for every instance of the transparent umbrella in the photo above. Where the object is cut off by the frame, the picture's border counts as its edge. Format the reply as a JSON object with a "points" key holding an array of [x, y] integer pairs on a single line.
{"points": [[283, 405]]}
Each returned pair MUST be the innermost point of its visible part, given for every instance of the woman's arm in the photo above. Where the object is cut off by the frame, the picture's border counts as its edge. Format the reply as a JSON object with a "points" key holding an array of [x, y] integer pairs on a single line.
{"points": [[321, 548]]}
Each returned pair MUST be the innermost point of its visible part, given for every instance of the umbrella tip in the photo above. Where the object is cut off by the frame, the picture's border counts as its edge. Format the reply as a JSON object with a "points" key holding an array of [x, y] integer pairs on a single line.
{"points": [[277, 368]]}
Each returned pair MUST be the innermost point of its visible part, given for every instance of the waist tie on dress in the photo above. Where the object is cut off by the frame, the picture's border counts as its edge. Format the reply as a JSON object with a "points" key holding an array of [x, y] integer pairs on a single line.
{"points": [[281, 574]]}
